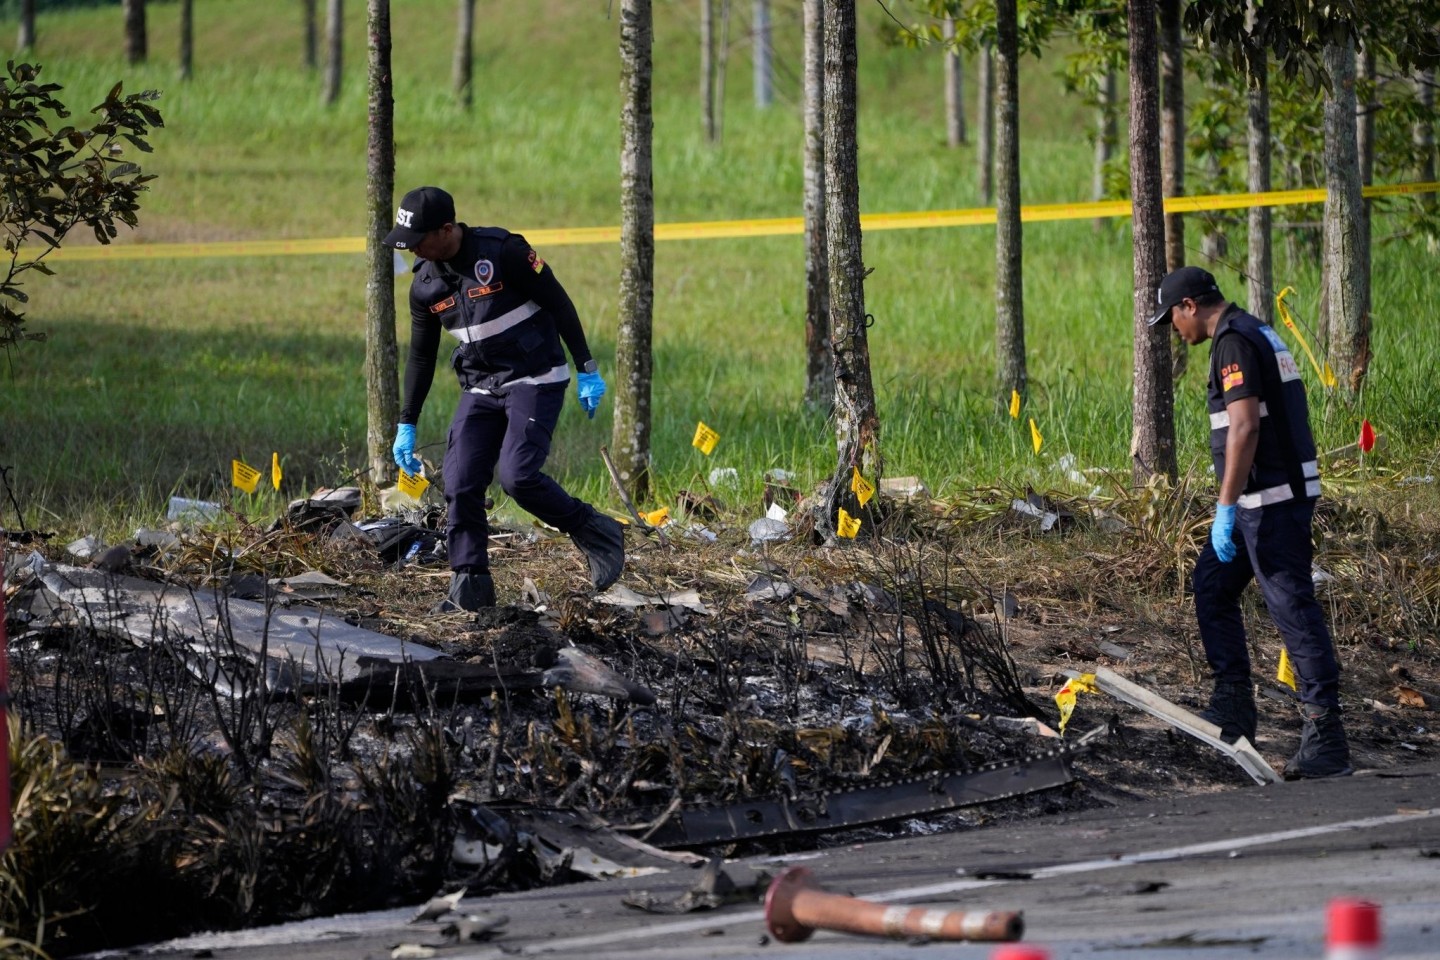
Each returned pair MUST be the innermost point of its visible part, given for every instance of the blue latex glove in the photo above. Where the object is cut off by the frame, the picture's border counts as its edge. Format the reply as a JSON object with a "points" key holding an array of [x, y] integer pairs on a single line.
{"points": [[590, 387], [1222, 532], [404, 450]]}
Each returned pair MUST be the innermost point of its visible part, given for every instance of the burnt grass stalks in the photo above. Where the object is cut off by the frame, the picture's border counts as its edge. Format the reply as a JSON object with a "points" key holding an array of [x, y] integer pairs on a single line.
{"points": [[172, 786]]}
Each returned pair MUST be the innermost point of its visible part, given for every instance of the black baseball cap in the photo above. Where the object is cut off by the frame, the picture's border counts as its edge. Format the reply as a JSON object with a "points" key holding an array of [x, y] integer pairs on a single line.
{"points": [[423, 209], [1186, 283]]}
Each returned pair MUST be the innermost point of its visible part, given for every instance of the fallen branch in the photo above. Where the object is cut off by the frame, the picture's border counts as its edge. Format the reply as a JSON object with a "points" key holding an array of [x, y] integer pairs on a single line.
{"points": [[625, 497]]}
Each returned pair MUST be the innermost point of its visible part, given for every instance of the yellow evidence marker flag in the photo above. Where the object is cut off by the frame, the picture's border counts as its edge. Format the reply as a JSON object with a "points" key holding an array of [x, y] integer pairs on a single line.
{"points": [[705, 439], [243, 475], [1035, 439], [846, 526], [1065, 699], [1285, 673], [1014, 404], [275, 473], [411, 486], [657, 518], [1327, 376], [863, 488]]}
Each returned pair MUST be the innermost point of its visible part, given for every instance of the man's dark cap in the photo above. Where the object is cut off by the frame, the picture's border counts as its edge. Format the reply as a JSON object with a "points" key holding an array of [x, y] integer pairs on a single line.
{"points": [[423, 209], [1187, 283]]}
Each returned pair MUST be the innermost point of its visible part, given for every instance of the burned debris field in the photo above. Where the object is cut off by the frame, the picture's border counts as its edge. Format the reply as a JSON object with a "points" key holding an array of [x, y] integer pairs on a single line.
{"points": [[258, 723]]}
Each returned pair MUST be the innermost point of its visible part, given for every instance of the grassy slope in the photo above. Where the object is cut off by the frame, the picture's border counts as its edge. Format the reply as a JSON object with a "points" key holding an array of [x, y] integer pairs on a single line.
{"points": [[157, 373]]}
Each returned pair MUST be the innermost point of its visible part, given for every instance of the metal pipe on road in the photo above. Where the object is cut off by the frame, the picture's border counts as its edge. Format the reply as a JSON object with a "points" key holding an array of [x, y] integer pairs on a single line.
{"points": [[795, 907]]}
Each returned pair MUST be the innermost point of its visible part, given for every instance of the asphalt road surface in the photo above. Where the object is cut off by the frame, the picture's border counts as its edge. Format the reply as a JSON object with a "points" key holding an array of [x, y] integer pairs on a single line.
{"points": [[1245, 873]]}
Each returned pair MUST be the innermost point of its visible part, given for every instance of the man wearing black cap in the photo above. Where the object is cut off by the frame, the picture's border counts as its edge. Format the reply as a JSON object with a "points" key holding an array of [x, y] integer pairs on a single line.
{"points": [[1265, 460], [494, 294]]}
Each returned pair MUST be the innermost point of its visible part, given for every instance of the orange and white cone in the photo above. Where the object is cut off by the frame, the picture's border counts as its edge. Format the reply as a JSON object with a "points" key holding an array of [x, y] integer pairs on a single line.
{"points": [[1352, 930]]}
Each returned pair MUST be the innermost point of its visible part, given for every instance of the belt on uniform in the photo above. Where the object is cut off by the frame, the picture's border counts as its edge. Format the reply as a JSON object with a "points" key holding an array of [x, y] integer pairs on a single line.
{"points": [[559, 373]]}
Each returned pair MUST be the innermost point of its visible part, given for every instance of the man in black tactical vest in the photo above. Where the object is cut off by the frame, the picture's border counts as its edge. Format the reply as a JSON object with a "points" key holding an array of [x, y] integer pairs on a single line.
{"points": [[1265, 461], [490, 290]]}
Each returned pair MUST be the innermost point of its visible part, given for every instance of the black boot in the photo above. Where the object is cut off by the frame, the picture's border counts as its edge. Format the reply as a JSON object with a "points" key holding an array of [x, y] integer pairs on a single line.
{"points": [[1323, 752], [469, 590], [602, 540], [1232, 709]]}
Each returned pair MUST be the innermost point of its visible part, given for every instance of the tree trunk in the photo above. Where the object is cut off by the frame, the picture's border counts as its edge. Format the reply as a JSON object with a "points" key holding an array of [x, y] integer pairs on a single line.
{"points": [[857, 423], [463, 71], [307, 13], [954, 88], [1365, 139], [1172, 127], [1424, 130], [334, 50], [634, 362], [135, 40], [381, 355], [819, 366], [1106, 136], [1172, 153], [1009, 291], [1259, 264], [1347, 282], [985, 114], [707, 71], [25, 40], [187, 38], [722, 67], [760, 45], [1152, 445]]}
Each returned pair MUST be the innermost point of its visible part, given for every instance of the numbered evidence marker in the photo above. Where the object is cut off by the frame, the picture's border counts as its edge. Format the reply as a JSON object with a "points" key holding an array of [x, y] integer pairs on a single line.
{"points": [[1035, 439], [863, 488], [1014, 404], [244, 476], [846, 526], [705, 439], [275, 473], [657, 518], [411, 485]]}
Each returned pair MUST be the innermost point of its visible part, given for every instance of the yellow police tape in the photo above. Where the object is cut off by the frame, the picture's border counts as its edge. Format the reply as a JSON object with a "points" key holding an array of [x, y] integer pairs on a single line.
{"points": [[721, 229]]}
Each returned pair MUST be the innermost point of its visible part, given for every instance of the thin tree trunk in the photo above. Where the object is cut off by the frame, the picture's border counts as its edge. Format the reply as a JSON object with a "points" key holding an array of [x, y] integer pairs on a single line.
{"points": [[722, 68], [1106, 136], [634, 362], [761, 46], [1259, 263], [381, 354], [312, 38], [955, 133], [135, 40], [707, 71], [463, 71], [1172, 153], [1009, 290], [1152, 445], [985, 114], [1424, 129], [187, 38], [857, 423], [1347, 282], [25, 40], [1365, 140], [1172, 127], [819, 366], [334, 50]]}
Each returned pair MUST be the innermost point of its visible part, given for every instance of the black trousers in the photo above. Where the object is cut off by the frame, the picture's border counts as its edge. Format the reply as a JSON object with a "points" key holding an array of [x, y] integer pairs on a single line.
{"points": [[1276, 553], [508, 435]]}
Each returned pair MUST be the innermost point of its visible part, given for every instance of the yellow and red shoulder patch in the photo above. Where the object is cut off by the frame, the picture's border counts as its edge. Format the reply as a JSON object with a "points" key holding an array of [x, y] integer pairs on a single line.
{"points": [[536, 263], [1231, 376]]}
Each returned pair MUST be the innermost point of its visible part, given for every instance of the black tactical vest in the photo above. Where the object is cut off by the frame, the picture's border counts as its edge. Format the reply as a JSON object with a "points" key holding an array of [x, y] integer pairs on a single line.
{"points": [[505, 337], [1285, 467]]}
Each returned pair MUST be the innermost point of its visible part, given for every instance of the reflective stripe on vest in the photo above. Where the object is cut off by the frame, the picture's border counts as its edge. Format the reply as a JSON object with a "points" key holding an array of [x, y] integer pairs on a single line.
{"points": [[496, 325]]}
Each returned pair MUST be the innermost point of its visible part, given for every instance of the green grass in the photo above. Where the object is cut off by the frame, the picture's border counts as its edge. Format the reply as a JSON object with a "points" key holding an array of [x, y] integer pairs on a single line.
{"points": [[157, 373]]}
